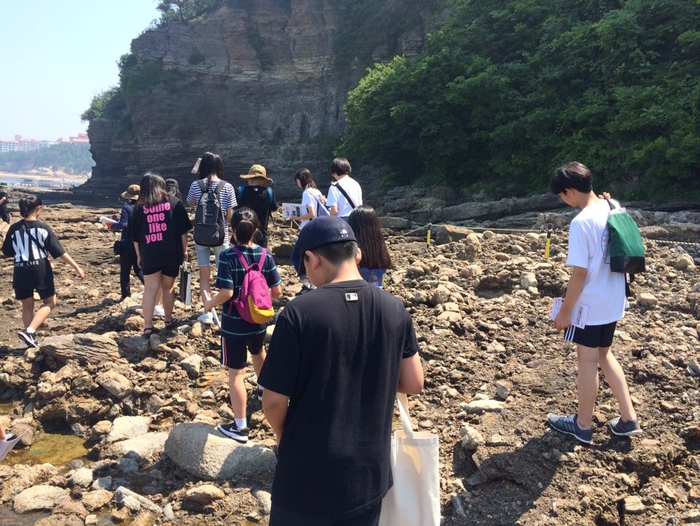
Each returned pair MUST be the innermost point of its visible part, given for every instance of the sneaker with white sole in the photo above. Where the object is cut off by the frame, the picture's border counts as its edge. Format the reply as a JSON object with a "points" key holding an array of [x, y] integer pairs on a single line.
{"points": [[625, 428], [232, 431], [569, 425], [260, 392], [206, 317], [158, 310], [29, 338]]}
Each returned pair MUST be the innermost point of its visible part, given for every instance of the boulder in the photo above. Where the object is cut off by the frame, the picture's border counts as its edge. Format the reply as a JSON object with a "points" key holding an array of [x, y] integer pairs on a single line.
{"points": [[88, 347], [128, 427], [38, 498], [146, 446], [205, 453]]}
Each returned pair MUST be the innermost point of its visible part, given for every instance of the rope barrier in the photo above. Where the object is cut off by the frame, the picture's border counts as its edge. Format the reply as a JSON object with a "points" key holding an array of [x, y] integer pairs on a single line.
{"points": [[549, 231]]}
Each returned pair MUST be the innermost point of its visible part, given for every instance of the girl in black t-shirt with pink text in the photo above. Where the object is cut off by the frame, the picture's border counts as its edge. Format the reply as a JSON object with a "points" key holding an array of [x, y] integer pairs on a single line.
{"points": [[159, 231], [30, 242]]}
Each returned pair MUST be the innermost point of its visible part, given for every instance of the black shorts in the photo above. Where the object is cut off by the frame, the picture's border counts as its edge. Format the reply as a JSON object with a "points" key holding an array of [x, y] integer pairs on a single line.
{"points": [[46, 292], [282, 517], [594, 336], [234, 351], [169, 271]]}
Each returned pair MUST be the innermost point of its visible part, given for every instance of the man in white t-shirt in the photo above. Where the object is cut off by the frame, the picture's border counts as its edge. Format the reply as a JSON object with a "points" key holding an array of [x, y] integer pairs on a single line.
{"points": [[345, 194], [593, 285]]}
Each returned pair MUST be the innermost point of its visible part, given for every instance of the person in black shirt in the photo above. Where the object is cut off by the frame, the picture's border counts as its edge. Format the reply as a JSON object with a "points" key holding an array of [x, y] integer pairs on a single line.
{"points": [[127, 254], [258, 197], [159, 232], [336, 359], [30, 242], [4, 214]]}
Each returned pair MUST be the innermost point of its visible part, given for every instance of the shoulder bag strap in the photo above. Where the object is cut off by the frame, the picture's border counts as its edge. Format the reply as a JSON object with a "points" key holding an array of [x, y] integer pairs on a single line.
{"points": [[261, 262], [202, 186], [246, 266], [219, 187], [402, 400], [345, 194]]}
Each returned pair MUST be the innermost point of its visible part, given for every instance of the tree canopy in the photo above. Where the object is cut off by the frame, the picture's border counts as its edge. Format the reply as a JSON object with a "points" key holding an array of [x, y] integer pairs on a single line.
{"points": [[507, 91], [71, 158]]}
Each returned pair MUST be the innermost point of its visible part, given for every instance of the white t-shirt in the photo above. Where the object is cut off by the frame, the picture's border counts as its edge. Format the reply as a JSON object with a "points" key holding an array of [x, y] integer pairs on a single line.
{"points": [[603, 290], [336, 198], [311, 197]]}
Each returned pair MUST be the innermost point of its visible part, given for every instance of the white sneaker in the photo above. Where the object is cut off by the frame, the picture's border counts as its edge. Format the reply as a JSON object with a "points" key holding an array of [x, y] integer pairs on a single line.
{"points": [[206, 317], [158, 310]]}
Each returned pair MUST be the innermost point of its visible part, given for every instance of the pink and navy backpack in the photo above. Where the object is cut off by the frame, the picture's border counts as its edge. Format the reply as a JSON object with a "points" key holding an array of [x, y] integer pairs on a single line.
{"points": [[253, 303]]}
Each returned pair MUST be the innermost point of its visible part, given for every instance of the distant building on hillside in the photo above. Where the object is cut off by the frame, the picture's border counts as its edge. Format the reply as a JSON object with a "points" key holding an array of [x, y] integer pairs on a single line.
{"points": [[20, 144]]}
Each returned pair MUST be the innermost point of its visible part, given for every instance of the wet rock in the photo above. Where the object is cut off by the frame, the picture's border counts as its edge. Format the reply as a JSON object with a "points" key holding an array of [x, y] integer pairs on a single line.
{"points": [[39, 498], [128, 427], [202, 451]]}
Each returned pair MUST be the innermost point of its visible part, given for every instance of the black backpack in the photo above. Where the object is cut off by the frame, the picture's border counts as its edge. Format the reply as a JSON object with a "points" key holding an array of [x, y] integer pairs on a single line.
{"points": [[209, 220]]}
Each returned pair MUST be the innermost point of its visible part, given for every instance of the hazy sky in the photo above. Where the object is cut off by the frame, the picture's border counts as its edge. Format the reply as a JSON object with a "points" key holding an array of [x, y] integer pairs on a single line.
{"points": [[57, 55]]}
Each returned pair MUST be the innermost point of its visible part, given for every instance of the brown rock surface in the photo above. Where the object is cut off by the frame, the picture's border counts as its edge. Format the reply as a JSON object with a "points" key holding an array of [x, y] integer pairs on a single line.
{"points": [[483, 337]]}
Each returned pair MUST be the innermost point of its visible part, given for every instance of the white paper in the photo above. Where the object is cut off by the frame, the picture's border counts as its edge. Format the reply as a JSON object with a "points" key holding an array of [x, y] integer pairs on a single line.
{"points": [[579, 315], [7, 445], [291, 210], [106, 220], [215, 315]]}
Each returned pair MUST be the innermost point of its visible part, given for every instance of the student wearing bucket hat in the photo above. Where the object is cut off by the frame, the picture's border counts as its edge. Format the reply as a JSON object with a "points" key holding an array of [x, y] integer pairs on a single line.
{"points": [[127, 253], [337, 358], [259, 197]]}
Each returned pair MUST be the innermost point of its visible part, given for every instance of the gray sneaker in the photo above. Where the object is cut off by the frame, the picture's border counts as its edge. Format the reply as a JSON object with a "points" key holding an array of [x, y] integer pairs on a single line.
{"points": [[625, 428], [569, 425]]}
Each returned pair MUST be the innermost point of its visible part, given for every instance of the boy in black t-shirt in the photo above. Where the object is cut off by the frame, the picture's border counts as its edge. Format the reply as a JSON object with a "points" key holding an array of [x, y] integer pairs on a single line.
{"points": [[30, 242], [337, 357]]}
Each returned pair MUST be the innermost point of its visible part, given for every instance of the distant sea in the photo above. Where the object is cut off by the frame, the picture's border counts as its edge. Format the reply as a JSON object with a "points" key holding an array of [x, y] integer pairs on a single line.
{"points": [[35, 180]]}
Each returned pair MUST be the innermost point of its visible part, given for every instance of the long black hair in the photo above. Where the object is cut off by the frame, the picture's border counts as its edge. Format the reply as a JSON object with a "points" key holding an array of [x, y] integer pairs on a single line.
{"points": [[365, 224], [305, 178], [244, 223], [211, 165], [153, 190]]}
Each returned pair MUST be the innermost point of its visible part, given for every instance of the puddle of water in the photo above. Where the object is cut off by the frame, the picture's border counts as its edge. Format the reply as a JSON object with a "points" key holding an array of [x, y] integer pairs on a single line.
{"points": [[53, 448]]}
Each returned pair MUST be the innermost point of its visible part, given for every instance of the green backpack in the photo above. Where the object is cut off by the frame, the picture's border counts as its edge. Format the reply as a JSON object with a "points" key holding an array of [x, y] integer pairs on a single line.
{"points": [[625, 245]]}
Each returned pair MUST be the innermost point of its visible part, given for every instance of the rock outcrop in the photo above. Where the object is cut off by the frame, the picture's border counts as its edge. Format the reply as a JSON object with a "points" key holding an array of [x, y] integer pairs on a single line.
{"points": [[257, 84]]}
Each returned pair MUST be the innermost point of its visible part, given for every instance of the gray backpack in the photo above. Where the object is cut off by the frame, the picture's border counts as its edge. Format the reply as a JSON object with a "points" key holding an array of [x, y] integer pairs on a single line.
{"points": [[209, 220]]}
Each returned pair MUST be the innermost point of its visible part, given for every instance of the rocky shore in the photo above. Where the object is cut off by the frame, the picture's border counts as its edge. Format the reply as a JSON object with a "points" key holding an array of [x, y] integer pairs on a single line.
{"points": [[146, 409]]}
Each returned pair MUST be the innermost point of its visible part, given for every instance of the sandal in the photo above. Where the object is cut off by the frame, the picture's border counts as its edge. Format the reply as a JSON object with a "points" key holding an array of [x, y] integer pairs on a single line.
{"points": [[148, 331], [170, 325]]}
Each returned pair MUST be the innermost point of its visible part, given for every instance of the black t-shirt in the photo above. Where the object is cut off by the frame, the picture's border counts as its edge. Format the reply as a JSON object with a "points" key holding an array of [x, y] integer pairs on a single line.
{"points": [[4, 215], [30, 242], [336, 352], [257, 198], [158, 230]]}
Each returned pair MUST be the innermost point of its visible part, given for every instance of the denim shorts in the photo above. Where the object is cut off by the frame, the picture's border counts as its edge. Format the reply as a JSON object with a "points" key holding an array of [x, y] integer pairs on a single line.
{"points": [[204, 254]]}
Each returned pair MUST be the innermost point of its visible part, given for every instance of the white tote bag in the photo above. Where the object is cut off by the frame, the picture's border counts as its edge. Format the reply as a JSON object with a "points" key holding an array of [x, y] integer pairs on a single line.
{"points": [[414, 499]]}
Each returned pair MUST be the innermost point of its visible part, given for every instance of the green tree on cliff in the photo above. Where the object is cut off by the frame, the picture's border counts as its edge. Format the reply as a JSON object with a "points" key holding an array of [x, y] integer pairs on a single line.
{"points": [[185, 10], [507, 90]]}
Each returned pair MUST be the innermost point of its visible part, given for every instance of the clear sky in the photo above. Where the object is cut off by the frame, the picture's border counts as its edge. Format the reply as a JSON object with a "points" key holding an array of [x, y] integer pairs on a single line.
{"points": [[57, 55]]}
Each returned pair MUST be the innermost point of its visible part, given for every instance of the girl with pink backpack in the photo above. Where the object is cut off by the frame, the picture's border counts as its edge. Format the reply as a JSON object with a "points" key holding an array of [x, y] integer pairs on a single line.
{"points": [[242, 327]]}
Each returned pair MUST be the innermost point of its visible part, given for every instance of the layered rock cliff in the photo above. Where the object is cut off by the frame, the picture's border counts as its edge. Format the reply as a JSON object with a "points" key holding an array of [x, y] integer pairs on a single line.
{"points": [[257, 84]]}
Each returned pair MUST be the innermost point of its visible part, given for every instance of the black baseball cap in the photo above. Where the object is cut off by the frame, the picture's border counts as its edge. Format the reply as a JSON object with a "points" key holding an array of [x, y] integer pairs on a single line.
{"points": [[317, 233]]}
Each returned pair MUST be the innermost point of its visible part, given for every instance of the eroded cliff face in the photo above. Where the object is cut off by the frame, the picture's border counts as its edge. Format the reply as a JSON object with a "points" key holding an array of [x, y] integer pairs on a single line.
{"points": [[256, 85]]}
